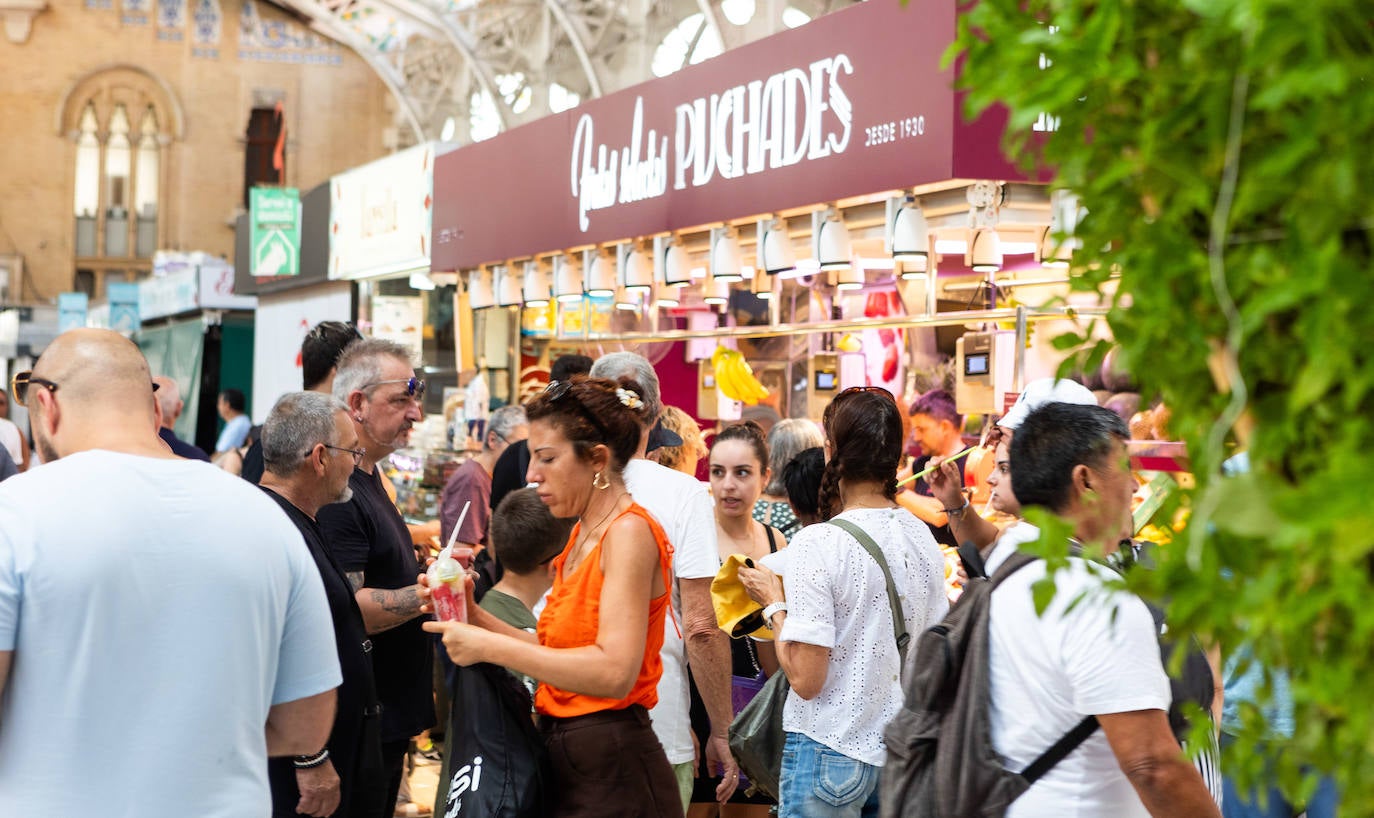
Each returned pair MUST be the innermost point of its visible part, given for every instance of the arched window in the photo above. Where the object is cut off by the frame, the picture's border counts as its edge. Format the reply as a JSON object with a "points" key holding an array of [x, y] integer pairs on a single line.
{"points": [[118, 170], [122, 122], [147, 180], [87, 182]]}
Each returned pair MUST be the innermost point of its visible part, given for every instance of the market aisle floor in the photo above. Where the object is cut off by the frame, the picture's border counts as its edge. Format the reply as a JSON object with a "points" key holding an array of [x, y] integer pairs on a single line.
{"points": [[424, 781]]}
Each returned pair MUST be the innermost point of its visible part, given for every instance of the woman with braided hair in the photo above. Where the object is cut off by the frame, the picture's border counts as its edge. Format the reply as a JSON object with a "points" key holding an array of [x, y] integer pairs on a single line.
{"points": [[836, 635]]}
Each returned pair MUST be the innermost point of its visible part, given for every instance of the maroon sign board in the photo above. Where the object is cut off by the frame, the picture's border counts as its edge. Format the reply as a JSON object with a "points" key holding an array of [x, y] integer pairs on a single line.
{"points": [[850, 104]]}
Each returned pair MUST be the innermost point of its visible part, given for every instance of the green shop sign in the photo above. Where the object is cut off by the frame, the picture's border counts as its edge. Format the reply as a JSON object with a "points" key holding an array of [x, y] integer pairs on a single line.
{"points": [[275, 240]]}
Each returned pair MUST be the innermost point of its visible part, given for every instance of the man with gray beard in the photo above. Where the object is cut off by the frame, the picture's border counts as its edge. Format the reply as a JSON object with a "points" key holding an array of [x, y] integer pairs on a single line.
{"points": [[310, 448]]}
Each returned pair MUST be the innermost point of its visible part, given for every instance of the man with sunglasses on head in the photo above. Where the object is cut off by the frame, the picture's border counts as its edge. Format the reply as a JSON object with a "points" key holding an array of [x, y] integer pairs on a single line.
{"points": [[166, 637], [319, 352], [311, 449], [470, 484], [376, 380]]}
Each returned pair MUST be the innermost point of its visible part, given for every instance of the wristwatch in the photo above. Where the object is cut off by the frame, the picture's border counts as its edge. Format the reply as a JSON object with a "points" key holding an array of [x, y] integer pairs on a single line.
{"points": [[769, 610]]}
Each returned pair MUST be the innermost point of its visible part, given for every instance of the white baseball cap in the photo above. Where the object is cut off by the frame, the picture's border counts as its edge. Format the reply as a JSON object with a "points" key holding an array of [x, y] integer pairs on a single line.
{"points": [[1046, 390]]}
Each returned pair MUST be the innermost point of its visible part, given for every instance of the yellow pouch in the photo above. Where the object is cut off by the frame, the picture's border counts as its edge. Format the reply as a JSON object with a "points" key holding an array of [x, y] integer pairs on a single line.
{"points": [[736, 613]]}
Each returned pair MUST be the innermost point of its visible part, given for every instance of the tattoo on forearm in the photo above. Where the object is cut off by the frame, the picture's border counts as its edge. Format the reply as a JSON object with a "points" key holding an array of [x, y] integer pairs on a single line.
{"points": [[403, 603], [355, 578]]}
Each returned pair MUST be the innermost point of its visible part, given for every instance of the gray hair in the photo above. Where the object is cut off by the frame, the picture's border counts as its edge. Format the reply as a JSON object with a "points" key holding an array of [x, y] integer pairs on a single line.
{"points": [[503, 421], [296, 425], [360, 365], [619, 365], [787, 439]]}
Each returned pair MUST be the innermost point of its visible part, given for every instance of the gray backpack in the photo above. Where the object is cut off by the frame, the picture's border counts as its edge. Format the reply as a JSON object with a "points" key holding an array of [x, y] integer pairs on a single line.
{"points": [[940, 758]]}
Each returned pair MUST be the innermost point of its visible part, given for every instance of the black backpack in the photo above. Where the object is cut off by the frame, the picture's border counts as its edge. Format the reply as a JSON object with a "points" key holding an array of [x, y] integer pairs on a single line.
{"points": [[940, 758]]}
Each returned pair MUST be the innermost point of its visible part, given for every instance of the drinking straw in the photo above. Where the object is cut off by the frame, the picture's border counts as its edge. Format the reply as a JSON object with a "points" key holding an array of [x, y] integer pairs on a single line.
{"points": [[453, 538], [922, 473]]}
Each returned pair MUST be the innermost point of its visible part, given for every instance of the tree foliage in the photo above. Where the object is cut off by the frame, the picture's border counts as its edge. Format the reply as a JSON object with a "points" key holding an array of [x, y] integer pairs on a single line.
{"points": [[1224, 152]]}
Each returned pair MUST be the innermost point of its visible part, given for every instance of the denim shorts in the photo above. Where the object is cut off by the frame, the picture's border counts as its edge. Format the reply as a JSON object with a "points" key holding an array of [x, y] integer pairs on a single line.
{"points": [[818, 782]]}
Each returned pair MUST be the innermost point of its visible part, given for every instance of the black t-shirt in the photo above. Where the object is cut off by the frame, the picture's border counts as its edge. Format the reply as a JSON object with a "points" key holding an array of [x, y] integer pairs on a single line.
{"points": [[253, 465], [357, 694], [942, 533], [367, 534]]}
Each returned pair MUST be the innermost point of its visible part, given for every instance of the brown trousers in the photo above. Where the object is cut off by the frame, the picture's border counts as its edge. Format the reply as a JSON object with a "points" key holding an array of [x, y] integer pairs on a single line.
{"points": [[609, 763]]}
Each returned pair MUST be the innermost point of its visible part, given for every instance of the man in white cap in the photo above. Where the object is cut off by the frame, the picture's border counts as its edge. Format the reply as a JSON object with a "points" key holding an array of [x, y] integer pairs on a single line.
{"points": [[945, 481]]}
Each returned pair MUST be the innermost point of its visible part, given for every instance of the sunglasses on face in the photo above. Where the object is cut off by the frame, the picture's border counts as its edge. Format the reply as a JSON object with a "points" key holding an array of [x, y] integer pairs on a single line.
{"points": [[415, 388], [19, 386]]}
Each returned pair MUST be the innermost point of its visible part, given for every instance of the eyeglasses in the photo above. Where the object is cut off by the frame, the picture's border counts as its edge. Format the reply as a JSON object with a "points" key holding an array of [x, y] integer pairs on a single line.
{"points": [[19, 386], [415, 388], [557, 390], [357, 453]]}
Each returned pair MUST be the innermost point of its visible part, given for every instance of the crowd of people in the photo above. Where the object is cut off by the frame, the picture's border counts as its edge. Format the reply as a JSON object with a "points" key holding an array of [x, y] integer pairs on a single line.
{"points": [[254, 646]]}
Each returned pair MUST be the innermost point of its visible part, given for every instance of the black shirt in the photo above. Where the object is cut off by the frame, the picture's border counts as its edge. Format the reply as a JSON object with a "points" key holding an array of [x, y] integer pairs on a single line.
{"points": [[942, 533], [367, 534], [253, 465], [357, 694], [181, 448]]}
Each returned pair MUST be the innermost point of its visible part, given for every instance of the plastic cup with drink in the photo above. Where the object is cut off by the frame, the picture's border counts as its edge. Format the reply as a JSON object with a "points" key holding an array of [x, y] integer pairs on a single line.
{"points": [[448, 577]]}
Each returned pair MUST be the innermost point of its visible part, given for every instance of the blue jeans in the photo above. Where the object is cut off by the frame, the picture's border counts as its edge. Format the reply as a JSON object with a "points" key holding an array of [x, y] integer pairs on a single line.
{"points": [[1235, 804], [818, 782]]}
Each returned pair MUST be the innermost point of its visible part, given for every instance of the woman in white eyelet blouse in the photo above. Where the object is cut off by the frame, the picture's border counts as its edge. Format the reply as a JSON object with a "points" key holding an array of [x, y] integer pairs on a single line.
{"points": [[836, 639]]}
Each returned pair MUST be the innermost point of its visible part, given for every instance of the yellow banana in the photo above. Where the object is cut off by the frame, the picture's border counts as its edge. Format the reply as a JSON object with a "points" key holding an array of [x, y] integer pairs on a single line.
{"points": [[749, 387], [757, 390], [727, 378]]}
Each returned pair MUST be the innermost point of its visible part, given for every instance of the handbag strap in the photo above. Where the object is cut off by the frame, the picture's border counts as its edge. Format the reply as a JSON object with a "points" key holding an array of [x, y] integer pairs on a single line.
{"points": [[898, 621]]}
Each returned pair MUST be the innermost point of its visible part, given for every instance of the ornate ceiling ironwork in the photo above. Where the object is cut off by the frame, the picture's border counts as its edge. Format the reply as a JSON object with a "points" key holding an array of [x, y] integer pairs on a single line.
{"points": [[441, 57]]}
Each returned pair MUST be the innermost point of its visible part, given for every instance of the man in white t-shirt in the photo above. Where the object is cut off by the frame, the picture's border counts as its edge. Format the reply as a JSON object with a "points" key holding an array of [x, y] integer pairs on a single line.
{"points": [[163, 628], [683, 507], [1095, 655]]}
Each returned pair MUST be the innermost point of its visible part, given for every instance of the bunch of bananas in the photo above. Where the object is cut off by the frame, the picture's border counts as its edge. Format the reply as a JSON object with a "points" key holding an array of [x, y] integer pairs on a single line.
{"points": [[735, 378]]}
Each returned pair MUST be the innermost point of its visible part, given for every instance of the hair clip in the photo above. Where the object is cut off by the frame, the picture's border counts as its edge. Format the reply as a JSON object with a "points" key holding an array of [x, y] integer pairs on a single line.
{"points": [[628, 398]]}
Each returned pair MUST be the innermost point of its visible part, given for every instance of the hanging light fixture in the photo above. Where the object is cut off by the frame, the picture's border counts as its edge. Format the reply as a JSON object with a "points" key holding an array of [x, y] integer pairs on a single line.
{"points": [[832, 241], [600, 281], [508, 287], [725, 254], [677, 269], [671, 269], [480, 295], [985, 251], [762, 285], [626, 299], [849, 278], [537, 288], [715, 292], [910, 237], [638, 274], [776, 254], [568, 280]]}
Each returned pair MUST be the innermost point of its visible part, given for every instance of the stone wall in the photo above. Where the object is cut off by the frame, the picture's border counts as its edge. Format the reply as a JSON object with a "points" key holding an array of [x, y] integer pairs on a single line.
{"points": [[208, 63]]}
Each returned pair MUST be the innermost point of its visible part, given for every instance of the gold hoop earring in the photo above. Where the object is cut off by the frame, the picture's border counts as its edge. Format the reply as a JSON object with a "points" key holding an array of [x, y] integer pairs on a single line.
{"points": [[601, 481]]}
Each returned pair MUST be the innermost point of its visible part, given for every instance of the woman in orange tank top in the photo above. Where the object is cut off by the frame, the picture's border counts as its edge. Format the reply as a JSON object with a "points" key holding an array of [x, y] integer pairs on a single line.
{"points": [[598, 674]]}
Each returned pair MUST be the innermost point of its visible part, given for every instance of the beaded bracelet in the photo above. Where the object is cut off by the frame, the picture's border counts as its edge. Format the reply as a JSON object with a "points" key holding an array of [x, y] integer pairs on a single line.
{"points": [[311, 762]]}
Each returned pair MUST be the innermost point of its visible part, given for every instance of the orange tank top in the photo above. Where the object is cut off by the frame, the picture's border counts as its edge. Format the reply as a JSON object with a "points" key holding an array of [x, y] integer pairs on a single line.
{"points": [[572, 618]]}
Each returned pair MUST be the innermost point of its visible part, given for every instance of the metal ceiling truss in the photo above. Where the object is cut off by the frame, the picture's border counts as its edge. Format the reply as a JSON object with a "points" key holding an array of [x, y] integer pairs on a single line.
{"points": [[434, 55]]}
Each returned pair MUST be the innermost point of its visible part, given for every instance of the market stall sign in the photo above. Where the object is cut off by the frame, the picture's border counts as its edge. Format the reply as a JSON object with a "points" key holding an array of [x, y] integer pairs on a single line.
{"points": [[71, 311], [275, 243], [380, 216], [853, 103]]}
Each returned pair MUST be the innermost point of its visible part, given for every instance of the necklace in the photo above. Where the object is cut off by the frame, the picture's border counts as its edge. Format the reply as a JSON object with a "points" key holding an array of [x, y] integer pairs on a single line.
{"points": [[587, 535]]}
